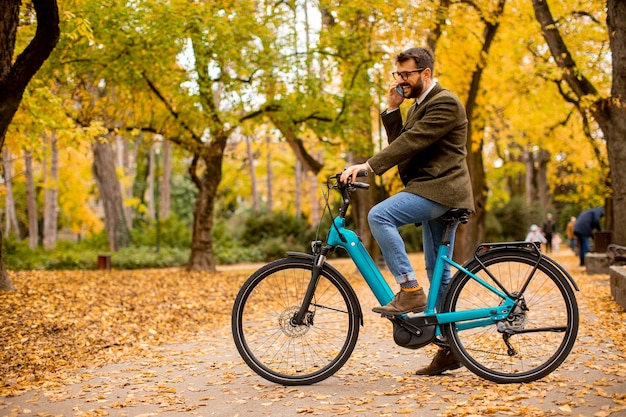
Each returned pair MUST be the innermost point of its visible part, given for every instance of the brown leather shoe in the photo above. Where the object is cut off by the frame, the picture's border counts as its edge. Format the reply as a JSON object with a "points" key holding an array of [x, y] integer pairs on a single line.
{"points": [[404, 302], [443, 361]]}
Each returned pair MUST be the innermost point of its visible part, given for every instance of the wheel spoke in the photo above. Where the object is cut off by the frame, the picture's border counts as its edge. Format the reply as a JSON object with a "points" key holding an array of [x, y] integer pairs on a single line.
{"points": [[536, 337], [277, 349]]}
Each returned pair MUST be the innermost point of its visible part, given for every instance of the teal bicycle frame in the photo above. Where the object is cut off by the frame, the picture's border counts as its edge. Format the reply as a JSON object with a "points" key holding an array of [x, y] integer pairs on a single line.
{"points": [[347, 239]]}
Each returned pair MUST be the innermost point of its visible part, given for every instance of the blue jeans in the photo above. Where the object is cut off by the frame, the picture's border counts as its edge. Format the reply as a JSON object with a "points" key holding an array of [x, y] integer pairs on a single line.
{"points": [[583, 243], [399, 210]]}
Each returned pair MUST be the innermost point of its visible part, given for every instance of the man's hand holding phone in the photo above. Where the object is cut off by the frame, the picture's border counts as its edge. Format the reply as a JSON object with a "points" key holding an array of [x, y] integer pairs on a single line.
{"points": [[395, 96]]}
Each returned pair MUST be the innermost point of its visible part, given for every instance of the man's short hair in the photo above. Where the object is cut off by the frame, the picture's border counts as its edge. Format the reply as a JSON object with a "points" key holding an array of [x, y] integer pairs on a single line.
{"points": [[423, 57]]}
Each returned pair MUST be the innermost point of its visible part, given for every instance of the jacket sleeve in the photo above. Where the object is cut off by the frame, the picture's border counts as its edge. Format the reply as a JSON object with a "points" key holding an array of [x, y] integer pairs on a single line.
{"points": [[392, 121], [441, 116]]}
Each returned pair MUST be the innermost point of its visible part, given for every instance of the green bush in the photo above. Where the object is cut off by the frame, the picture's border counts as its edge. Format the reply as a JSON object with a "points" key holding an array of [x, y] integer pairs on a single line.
{"points": [[98, 242], [172, 233], [148, 257], [510, 221], [259, 228], [18, 256], [237, 254], [244, 238], [276, 233]]}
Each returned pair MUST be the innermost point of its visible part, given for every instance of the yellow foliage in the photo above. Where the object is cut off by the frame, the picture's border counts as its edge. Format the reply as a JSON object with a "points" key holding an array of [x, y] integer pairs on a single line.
{"points": [[95, 80]]}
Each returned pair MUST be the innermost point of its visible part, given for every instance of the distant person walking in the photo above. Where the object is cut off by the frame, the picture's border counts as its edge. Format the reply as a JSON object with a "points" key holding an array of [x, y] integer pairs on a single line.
{"points": [[571, 237], [535, 235], [586, 223], [548, 230]]}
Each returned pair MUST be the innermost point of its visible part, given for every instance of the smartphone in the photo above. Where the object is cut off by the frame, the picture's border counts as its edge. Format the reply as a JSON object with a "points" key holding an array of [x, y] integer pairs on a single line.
{"points": [[400, 90]]}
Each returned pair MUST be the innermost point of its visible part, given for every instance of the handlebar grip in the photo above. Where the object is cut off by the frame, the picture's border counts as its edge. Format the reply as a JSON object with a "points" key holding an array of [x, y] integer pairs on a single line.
{"points": [[363, 173], [363, 185]]}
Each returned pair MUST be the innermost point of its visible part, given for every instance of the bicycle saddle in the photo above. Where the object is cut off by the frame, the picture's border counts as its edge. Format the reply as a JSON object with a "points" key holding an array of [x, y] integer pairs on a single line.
{"points": [[452, 215]]}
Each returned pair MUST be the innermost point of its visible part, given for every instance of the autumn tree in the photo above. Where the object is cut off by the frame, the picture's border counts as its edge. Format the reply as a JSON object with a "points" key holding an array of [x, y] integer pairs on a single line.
{"points": [[535, 150], [349, 34], [204, 75], [486, 17], [231, 49], [228, 69], [103, 99], [608, 110], [15, 75]]}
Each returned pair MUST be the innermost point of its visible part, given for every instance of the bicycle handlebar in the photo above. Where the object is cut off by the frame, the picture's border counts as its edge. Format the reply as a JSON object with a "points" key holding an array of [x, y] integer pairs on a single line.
{"points": [[350, 186], [345, 189], [363, 185]]}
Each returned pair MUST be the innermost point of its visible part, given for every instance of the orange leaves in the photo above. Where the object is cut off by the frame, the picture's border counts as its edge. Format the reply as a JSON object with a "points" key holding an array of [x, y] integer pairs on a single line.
{"points": [[62, 321], [146, 342]]}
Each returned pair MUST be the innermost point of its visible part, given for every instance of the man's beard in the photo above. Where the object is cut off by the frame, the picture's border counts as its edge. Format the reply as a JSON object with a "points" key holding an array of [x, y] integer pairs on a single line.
{"points": [[415, 90]]}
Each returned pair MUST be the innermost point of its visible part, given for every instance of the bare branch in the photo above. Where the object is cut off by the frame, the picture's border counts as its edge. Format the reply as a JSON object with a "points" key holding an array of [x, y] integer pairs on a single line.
{"points": [[169, 107]]}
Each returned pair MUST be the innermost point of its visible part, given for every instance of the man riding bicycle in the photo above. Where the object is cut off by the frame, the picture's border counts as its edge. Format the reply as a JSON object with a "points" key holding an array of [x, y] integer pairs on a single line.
{"points": [[429, 150]]}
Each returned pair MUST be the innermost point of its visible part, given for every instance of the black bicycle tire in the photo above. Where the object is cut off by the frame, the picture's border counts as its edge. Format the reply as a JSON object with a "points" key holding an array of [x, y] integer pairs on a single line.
{"points": [[563, 285], [239, 336]]}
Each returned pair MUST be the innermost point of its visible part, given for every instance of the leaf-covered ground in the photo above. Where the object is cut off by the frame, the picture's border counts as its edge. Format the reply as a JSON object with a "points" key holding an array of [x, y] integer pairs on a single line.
{"points": [[58, 322], [60, 328]]}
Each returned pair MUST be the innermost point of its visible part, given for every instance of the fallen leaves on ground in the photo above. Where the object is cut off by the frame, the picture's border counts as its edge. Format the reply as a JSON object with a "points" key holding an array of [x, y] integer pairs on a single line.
{"points": [[59, 323]]}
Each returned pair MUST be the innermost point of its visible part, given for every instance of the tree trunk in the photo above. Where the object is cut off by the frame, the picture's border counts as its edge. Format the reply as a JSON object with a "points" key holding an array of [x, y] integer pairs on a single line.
{"points": [[51, 197], [141, 168], [10, 216], [441, 21], [150, 190], [133, 170], [609, 113], [270, 198], [110, 194], [5, 281], [298, 171], [211, 154], [472, 233], [531, 188], [125, 163], [202, 258], [165, 190], [15, 75], [31, 202], [541, 175], [615, 131], [362, 203], [253, 182], [314, 193]]}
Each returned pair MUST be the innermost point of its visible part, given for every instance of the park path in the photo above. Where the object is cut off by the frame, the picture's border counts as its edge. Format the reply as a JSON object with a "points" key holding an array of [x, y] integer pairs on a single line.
{"points": [[206, 377]]}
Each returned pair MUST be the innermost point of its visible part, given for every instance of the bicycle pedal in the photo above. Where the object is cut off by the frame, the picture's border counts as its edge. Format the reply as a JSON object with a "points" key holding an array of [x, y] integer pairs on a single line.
{"points": [[420, 314], [410, 314]]}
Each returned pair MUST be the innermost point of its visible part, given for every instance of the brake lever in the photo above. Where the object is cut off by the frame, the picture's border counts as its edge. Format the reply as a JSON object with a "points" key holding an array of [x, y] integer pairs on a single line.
{"points": [[351, 185]]}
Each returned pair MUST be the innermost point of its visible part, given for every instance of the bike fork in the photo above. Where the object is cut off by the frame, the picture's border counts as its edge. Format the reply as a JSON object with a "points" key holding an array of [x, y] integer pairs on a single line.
{"points": [[318, 265]]}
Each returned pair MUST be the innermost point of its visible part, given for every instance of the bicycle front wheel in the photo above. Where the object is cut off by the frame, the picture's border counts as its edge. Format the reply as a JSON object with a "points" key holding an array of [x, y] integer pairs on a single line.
{"points": [[273, 345], [538, 334]]}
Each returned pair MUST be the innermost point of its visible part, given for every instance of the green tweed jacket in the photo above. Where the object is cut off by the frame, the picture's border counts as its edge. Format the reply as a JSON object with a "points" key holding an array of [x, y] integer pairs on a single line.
{"points": [[430, 150]]}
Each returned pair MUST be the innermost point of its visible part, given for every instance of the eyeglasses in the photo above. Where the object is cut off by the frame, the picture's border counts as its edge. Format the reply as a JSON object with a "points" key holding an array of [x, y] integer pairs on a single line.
{"points": [[405, 74]]}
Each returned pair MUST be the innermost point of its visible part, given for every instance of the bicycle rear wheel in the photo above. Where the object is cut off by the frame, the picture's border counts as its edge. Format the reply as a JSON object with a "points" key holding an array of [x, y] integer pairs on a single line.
{"points": [[281, 351], [544, 325]]}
